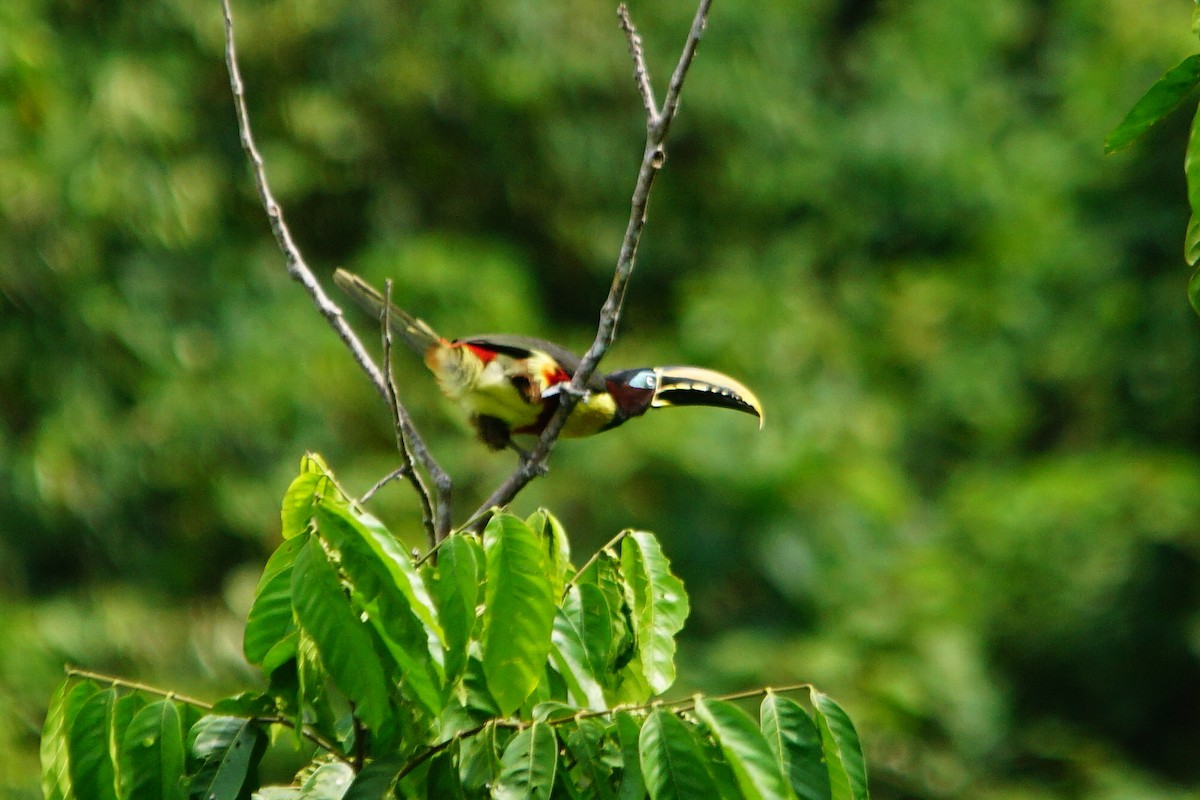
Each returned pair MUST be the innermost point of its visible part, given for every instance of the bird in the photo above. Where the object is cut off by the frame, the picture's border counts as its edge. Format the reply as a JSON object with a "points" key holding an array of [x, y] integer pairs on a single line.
{"points": [[510, 385]]}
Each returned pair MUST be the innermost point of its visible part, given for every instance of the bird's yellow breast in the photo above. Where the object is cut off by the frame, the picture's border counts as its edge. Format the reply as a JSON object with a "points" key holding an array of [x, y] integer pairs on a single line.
{"points": [[591, 414], [491, 388]]}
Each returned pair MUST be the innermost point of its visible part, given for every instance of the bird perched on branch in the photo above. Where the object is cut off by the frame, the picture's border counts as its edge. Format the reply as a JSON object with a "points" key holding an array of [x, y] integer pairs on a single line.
{"points": [[512, 384]]}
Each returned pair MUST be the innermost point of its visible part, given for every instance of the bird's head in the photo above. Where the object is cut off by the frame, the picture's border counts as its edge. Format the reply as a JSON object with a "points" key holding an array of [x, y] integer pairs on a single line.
{"points": [[636, 390]]}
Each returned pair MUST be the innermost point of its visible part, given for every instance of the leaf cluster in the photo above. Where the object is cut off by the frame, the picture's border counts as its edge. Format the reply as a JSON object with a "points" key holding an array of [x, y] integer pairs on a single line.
{"points": [[1159, 101], [489, 667]]}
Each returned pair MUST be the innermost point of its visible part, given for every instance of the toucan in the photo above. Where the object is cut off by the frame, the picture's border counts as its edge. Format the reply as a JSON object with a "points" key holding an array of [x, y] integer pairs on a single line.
{"points": [[512, 384]]}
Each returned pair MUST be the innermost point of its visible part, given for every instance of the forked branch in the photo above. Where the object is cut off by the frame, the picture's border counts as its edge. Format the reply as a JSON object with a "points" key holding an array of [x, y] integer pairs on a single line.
{"points": [[658, 122], [410, 443]]}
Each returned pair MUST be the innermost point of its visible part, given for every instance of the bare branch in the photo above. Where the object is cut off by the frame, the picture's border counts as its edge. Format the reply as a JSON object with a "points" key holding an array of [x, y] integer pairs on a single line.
{"points": [[658, 123], [296, 265], [436, 514], [640, 73], [671, 103], [412, 447]]}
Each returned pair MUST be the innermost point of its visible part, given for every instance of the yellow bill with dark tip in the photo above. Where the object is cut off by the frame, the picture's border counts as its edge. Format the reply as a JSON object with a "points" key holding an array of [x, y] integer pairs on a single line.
{"points": [[696, 386]]}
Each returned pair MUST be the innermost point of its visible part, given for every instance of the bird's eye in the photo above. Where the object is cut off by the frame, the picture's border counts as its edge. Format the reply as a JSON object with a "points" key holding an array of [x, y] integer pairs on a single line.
{"points": [[644, 380]]}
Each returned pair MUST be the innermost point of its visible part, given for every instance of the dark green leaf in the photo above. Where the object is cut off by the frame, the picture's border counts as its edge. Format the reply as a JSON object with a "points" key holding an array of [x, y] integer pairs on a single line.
{"points": [[341, 639], [93, 775], [479, 761], [270, 619], [672, 764], [528, 764], [758, 773], [570, 659], [659, 603], [123, 713], [585, 741], [152, 760], [227, 746], [519, 611], [456, 588], [1162, 98], [442, 780], [796, 745], [314, 706], [337, 519], [628, 730], [388, 588], [843, 753]]}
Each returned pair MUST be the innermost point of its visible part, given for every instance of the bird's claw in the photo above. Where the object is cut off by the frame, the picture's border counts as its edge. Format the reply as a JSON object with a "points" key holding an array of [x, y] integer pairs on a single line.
{"points": [[537, 467], [566, 388], [528, 462]]}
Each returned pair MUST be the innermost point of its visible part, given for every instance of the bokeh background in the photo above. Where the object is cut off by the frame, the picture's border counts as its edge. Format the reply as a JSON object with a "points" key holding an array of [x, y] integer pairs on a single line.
{"points": [[974, 513]]}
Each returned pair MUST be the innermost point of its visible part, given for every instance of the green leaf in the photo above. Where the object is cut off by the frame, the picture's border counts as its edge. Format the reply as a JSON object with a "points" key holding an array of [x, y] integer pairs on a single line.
{"points": [[478, 762], [1162, 98], [570, 655], [340, 635], [528, 764], [632, 787], [558, 547], [442, 781], [456, 590], [586, 746], [374, 781], [270, 620], [328, 782], [1191, 170], [671, 760], [1194, 291], [843, 753], [605, 575], [227, 746], [519, 611], [152, 762], [1191, 252], [659, 603], [93, 775], [392, 593], [55, 753], [796, 745], [337, 520], [746, 750], [124, 711], [301, 495]]}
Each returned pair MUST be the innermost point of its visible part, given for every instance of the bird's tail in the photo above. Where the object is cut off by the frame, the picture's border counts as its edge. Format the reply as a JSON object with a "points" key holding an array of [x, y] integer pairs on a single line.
{"points": [[415, 332]]}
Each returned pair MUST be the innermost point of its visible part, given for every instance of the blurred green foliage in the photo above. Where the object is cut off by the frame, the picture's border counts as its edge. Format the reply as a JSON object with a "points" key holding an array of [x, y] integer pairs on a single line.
{"points": [[974, 513]]}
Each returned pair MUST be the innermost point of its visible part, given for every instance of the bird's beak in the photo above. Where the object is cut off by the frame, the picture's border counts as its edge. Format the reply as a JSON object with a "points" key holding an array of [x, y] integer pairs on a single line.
{"points": [[695, 386]]}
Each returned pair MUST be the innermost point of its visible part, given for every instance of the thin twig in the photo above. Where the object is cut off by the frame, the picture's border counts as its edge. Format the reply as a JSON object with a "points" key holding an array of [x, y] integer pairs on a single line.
{"points": [[76, 672], [641, 73], [112, 680], [297, 267], [398, 472], [657, 124], [299, 270], [677, 706], [613, 542], [400, 421]]}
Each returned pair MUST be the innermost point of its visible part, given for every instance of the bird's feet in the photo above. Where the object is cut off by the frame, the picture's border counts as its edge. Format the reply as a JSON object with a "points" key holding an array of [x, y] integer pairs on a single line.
{"points": [[527, 461], [565, 387]]}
